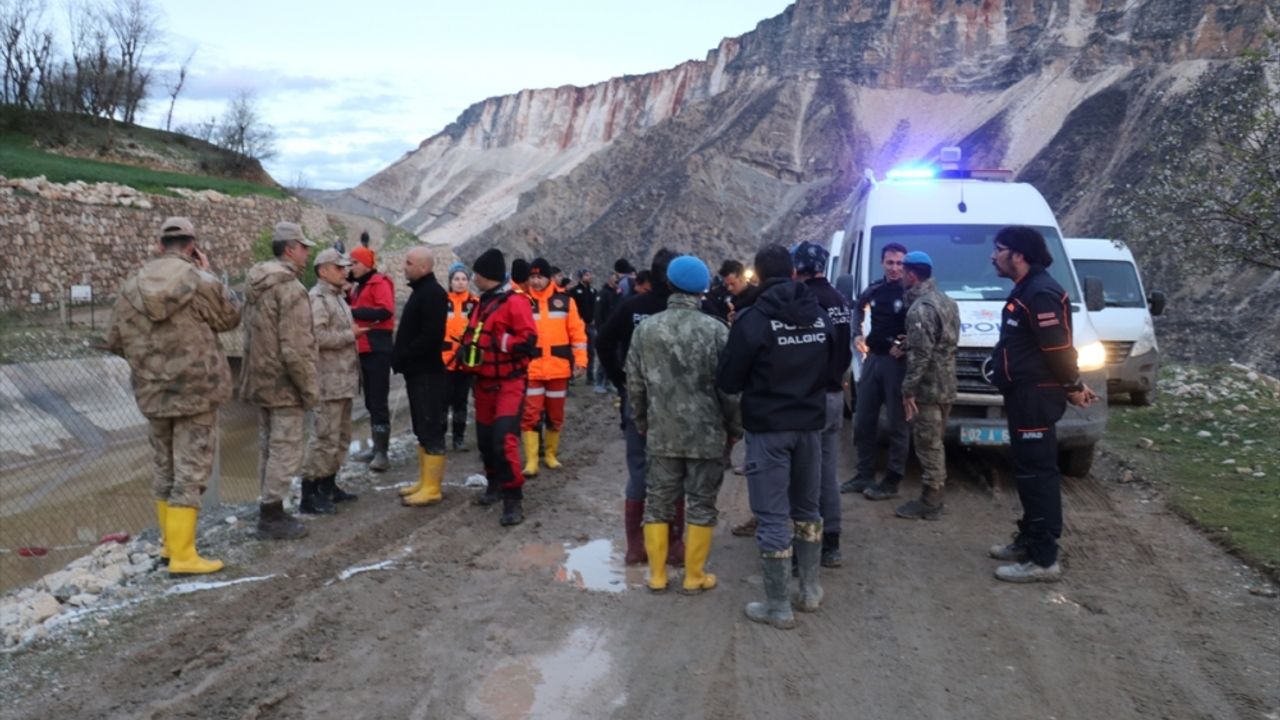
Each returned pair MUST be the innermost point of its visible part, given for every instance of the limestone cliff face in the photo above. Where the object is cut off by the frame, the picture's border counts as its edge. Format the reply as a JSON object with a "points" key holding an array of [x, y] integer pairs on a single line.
{"points": [[765, 138]]}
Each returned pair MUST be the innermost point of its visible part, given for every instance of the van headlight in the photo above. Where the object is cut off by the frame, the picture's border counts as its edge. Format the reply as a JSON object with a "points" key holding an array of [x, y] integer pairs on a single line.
{"points": [[1091, 357], [1146, 342]]}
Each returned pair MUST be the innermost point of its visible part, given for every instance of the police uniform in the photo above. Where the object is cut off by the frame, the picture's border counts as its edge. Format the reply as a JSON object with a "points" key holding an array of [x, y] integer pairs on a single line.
{"points": [[1034, 365], [880, 383]]}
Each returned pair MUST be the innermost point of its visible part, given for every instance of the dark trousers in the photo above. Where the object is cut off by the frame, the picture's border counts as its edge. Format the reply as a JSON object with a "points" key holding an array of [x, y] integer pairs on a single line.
{"points": [[499, 404], [427, 395], [784, 478], [457, 393], [637, 460], [375, 377], [1033, 413], [881, 384], [591, 353]]}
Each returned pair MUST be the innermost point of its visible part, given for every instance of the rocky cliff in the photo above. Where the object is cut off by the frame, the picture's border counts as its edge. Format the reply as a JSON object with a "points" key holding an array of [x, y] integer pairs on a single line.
{"points": [[765, 138]]}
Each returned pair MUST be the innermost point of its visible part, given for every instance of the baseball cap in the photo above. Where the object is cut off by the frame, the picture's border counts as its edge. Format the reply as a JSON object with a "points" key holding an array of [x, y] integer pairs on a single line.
{"points": [[290, 232], [176, 227], [331, 256], [809, 258]]}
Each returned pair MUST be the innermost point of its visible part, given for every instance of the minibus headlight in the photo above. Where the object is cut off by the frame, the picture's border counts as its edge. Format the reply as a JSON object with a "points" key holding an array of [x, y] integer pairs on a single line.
{"points": [[1091, 357]]}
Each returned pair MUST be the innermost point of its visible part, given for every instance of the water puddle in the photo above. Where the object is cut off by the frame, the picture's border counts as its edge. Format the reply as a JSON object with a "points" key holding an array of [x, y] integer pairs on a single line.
{"points": [[575, 680], [593, 566]]}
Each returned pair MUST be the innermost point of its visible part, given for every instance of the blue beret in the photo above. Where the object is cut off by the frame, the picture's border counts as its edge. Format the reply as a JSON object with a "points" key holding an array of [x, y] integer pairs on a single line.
{"points": [[917, 257], [688, 274]]}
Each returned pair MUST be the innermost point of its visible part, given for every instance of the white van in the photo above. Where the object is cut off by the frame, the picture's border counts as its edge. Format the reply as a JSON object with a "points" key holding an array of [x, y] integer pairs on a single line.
{"points": [[953, 215], [1124, 325]]}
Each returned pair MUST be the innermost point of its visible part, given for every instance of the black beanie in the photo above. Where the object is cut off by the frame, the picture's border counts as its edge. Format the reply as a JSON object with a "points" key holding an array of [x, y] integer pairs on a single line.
{"points": [[623, 267], [519, 271], [540, 266], [491, 265]]}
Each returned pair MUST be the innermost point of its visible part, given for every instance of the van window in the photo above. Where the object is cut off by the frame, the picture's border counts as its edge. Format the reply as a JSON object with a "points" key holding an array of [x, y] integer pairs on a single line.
{"points": [[1119, 281], [961, 257]]}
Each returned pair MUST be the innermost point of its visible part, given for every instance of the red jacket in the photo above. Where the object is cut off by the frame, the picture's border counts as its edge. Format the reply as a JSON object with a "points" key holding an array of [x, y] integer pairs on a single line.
{"points": [[500, 337], [373, 306]]}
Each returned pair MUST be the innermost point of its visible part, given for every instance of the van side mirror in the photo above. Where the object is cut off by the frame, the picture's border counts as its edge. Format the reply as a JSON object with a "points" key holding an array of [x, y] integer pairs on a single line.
{"points": [[1094, 300], [1155, 302]]}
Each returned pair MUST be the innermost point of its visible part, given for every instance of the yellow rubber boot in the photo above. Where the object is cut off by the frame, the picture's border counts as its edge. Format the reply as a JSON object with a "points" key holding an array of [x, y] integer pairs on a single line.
{"points": [[180, 531], [432, 469], [162, 512], [697, 546], [422, 475], [553, 446], [655, 544], [530, 440]]}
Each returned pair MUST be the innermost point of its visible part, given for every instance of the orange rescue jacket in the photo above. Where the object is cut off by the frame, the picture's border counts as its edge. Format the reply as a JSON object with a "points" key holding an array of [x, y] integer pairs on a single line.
{"points": [[562, 336], [460, 305]]}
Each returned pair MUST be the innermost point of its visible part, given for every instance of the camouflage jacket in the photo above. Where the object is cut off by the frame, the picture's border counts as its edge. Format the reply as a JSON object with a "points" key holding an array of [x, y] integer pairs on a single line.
{"points": [[279, 368], [933, 331], [671, 382], [165, 323], [339, 363]]}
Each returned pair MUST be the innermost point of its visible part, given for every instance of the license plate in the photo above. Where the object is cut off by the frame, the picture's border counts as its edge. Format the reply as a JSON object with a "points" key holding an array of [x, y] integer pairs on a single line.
{"points": [[984, 436]]}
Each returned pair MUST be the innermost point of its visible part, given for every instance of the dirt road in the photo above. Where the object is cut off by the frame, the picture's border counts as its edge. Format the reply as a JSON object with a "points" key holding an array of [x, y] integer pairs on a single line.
{"points": [[471, 620]]}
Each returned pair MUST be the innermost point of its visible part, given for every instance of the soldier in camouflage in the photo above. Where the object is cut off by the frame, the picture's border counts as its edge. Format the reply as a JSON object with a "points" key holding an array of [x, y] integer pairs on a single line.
{"points": [[686, 421], [929, 386], [165, 323], [279, 372], [338, 369]]}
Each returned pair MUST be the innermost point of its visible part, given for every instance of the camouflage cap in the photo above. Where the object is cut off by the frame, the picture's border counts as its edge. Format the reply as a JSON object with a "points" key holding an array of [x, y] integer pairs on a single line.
{"points": [[287, 231], [331, 256], [809, 258], [176, 227]]}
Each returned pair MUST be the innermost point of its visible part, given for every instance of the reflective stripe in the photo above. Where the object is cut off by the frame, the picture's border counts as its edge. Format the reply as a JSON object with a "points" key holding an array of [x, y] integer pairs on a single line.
{"points": [[557, 314], [556, 393], [580, 346], [537, 391], [502, 342]]}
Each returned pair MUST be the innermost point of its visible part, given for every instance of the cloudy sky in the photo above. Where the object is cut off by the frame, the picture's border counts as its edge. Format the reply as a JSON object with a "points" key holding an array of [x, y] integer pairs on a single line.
{"points": [[351, 86]]}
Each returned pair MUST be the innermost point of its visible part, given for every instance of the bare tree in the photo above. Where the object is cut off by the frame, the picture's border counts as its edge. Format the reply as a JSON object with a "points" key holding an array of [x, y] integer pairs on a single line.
{"points": [[135, 26], [27, 48], [243, 132], [175, 88]]}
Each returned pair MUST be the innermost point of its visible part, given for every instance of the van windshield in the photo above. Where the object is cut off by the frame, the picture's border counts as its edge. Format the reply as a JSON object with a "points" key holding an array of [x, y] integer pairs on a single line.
{"points": [[1119, 281], [961, 257]]}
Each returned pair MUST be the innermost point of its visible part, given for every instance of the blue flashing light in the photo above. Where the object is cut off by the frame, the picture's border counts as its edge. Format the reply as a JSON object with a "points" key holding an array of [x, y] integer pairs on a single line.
{"points": [[912, 173]]}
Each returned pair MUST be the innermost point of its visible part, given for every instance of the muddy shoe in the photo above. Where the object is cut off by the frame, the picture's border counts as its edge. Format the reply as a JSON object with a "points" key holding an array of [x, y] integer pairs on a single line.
{"points": [[746, 529], [1015, 551], [808, 596], [275, 524], [831, 550], [1029, 572], [459, 444], [776, 609], [329, 487], [314, 502], [885, 489], [489, 496], [855, 485], [512, 511]]}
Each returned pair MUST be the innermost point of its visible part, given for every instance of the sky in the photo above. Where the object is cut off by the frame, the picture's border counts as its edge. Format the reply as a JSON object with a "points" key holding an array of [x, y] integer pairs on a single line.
{"points": [[349, 87]]}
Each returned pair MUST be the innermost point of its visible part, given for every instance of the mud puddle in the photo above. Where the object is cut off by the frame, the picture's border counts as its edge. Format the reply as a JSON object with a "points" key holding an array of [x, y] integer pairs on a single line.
{"points": [[595, 565], [577, 679]]}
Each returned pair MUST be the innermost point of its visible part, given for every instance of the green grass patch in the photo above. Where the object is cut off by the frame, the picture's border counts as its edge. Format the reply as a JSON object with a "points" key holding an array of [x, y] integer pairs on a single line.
{"points": [[18, 159], [1215, 435], [397, 238]]}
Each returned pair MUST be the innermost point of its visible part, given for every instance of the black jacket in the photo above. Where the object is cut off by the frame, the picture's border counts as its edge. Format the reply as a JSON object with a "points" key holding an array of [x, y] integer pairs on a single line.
{"points": [[888, 304], [584, 296], [839, 313], [1035, 343], [613, 340], [420, 336], [777, 357], [607, 300]]}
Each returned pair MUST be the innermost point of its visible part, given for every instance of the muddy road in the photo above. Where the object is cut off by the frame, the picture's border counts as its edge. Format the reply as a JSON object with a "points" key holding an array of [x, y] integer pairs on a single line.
{"points": [[464, 619]]}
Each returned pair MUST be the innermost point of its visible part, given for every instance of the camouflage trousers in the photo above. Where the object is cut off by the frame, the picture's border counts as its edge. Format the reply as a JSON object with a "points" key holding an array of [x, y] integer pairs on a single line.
{"points": [[280, 432], [182, 449], [330, 437], [927, 430], [667, 478]]}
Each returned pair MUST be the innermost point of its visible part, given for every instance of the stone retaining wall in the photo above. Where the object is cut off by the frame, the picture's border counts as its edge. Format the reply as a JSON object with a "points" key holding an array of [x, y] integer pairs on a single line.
{"points": [[55, 235]]}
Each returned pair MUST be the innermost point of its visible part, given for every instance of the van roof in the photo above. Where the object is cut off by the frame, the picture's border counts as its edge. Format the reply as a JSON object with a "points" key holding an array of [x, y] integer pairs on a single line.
{"points": [[937, 202], [1097, 249]]}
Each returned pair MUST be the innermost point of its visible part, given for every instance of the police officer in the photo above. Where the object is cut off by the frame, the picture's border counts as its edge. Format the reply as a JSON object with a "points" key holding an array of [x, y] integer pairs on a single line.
{"points": [[1034, 366], [881, 380], [165, 323], [929, 388], [777, 357]]}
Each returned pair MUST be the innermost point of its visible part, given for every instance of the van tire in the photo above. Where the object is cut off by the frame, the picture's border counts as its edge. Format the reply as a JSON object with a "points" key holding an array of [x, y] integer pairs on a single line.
{"points": [[1076, 462], [1140, 399]]}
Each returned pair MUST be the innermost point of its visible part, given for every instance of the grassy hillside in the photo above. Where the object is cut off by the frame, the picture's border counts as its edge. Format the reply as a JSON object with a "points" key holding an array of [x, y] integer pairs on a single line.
{"points": [[66, 148]]}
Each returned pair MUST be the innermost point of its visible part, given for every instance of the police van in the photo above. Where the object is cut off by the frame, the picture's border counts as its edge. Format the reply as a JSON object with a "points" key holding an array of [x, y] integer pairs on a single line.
{"points": [[953, 214]]}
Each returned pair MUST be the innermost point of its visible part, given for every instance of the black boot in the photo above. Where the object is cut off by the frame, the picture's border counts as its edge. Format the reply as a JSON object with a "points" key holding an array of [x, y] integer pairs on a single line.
{"points": [[275, 524], [885, 489], [329, 488], [314, 502], [489, 496], [855, 484], [381, 439], [928, 507], [831, 550], [512, 509]]}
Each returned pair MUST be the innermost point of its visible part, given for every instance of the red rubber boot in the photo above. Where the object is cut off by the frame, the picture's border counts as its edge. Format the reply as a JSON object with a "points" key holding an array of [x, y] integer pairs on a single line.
{"points": [[633, 517]]}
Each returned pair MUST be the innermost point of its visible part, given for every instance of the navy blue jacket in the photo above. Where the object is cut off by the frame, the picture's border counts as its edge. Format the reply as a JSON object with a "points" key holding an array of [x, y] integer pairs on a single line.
{"points": [[1035, 343]]}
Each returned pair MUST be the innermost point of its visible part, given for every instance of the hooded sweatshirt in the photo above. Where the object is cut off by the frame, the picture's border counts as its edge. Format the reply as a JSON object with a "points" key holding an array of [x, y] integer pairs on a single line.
{"points": [[280, 353], [165, 323], [777, 357]]}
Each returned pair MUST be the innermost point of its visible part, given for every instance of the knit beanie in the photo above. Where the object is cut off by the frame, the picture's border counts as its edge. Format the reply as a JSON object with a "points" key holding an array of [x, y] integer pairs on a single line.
{"points": [[688, 274], [519, 271], [489, 265], [364, 256], [458, 267]]}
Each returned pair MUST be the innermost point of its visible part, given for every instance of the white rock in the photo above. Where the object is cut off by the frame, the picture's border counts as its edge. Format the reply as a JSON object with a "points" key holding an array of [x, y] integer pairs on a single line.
{"points": [[36, 632], [1229, 461], [136, 569], [1242, 470], [138, 558], [1204, 434], [1241, 408], [44, 606], [1126, 476], [83, 599], [232, 520], [1145, 443]]}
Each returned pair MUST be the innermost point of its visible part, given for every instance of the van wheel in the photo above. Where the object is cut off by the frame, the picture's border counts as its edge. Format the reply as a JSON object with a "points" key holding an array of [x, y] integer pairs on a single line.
{"points": [[1076, 462], [1141, 399]]}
